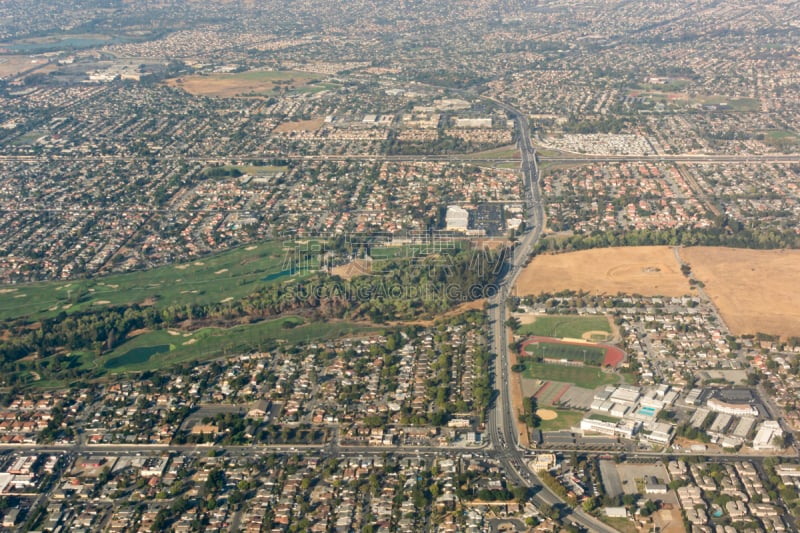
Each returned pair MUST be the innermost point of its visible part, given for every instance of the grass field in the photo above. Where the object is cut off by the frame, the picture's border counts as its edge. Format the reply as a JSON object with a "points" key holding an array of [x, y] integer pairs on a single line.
{"points": [[603, 418], [230, 274], [504, 152], [623, 525], [582, 376], [736, 104], [565, 326], [252, 170], [565, 420], [29, 138], [781, 139], [252, 83], [147, 352], [592, 355]]}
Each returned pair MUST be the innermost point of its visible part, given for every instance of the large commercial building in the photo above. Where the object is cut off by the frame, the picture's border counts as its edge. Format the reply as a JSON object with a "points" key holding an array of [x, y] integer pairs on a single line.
{"points": [[457, 218], [473, 122], [625, 428], [767, 433], [733, 409]]}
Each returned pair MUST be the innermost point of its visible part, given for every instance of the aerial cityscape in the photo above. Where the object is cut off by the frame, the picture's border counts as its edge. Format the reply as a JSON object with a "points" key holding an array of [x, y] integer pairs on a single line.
{"points": [[400, 266]]}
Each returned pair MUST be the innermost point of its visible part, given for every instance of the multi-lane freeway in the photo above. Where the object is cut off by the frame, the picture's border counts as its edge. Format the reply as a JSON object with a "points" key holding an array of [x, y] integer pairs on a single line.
{"points": [[449, 158], [502, 426]]}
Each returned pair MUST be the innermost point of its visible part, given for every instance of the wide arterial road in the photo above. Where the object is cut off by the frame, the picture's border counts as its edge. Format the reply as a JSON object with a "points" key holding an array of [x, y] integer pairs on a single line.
{"points": [[501, 421]]}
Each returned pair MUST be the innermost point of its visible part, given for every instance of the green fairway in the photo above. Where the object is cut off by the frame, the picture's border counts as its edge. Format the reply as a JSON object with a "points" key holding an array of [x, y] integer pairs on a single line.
{"points": [[230, 274], [147, 352], [590, 355], [138, 355], [566, 326], [566, 419], [582, 376]]}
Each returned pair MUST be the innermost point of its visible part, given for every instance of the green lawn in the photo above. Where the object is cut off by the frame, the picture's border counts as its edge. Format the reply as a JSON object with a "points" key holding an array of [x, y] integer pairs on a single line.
{"points": [[28, 138], [582, 376], [623, 525], [252, 170], [565, 326], [735, 104], [591, 355], [208, 343], [230, 274], [506, 166], [504, 152], [273, 75], [603, 418], [316, 88], [566, 419], [781, 139]]}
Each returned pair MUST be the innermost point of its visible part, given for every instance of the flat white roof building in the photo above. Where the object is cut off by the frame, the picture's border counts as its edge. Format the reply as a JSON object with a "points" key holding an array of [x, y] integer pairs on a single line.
{"points": [[473, 123], [625, 394], [693, 396], [744, 426], [766, 435], [720, 423], [625, 428], [735, 409], [699, 417], [457, 218]]}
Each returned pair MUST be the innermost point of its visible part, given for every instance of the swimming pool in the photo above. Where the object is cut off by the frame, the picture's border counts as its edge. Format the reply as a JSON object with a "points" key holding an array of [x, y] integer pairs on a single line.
{"points": [[647, 411]]}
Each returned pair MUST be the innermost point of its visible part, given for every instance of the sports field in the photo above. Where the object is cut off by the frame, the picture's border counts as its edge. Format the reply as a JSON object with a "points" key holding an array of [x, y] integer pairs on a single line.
{"points": [[589, 355], [583, 376], [569, 326], [230, 274], [563, 419]]}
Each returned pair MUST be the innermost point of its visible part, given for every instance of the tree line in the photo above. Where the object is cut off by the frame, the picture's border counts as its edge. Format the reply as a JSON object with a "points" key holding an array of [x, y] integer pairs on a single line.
{"points": [[724, 233]]}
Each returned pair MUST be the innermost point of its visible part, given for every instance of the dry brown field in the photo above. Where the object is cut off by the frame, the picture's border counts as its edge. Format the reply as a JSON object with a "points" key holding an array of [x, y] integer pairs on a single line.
{"points": [[645, 270], [11, 65], [754, 290], [241, 84], [301, 125], [357, 267]]}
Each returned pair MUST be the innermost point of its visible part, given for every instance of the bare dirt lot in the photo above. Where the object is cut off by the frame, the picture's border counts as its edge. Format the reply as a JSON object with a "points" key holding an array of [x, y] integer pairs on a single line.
{"points": [[755, 290], [11, 65], [645, 270], [357, 267], [301, 125], [251, 83], [732, 277]]}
